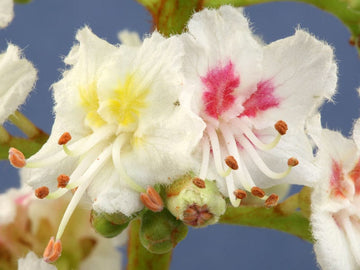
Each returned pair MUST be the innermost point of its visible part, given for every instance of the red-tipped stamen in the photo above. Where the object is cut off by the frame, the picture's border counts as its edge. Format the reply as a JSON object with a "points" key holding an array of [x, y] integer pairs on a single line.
{"points": [[62, 180], [281, 127], [152, 200], [41, 192], [231, 162], [52, 251], [199, 182], [292, 162], [64, 138], [272, 200], [16, 158], [257, 192], [240, 194]]}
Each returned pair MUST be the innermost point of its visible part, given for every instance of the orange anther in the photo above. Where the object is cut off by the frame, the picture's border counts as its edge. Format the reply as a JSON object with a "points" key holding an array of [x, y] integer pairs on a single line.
{"points": [[52, 251], [62, 180], [272, 200], [41, 192], [152, 200], [199, 182], [231, 162], [281, 127], [293, 162], [16, 158], [240, 194], [257, 192], [64, 138]]}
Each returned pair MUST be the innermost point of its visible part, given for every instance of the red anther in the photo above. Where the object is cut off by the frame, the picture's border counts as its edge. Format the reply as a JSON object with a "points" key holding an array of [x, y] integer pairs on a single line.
{"points": [[231, 162], [62, 180], [41, 192], [257, 192], [152, 200], [272, 200], [52, 251], [16, 158], [199, 182], [65, 138], [293, 162], [240, 194], [281, 127]]}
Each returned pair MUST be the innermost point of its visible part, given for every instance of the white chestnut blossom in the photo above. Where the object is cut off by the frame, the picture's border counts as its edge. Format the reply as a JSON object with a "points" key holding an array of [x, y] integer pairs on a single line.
{"points": [[17, 78], [120, 105], [242, 88], [31, 262], [335, 202], [6, 12]]}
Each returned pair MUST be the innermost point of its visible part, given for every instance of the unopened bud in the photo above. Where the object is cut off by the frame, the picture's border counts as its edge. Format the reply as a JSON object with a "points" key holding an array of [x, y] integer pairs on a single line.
{"points": [[195, 206], [109, 225], [160, 232]]}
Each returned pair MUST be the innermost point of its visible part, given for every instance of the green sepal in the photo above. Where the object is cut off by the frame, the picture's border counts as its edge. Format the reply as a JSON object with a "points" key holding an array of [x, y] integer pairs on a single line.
{"points": [[22, 1], [109, 228], [160, 232]]}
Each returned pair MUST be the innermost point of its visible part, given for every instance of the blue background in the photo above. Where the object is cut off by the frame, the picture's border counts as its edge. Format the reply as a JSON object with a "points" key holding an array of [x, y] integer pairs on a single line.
{"points": [[45, 29]]}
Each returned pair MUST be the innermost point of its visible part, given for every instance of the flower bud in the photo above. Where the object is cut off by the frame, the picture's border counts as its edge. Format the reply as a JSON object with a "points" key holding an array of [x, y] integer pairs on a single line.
{"points": [[196, 202], [109, 225], [160, 232]]}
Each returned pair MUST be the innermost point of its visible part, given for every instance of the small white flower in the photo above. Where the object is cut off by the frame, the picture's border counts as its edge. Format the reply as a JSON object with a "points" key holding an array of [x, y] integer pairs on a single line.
{"points": [[242, 88], [6, 12], [17, 78], [32, 262], [335, 204], [128, 130]]}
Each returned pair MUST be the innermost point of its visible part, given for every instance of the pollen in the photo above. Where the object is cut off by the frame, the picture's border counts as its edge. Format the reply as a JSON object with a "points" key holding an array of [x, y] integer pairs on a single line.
{"points": [[64, 138], [257, 192], [16, 158], [152, 200], [41, 192], [240, 194], [281, 127], [272, 200], [62, 180], [199, 182], [52, 251], [293, 162], [231, 162]]}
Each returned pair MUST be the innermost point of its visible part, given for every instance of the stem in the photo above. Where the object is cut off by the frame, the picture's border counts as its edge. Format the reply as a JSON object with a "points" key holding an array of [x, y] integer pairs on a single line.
{"points": [[141, 259], [24, 124], [4, 135]]}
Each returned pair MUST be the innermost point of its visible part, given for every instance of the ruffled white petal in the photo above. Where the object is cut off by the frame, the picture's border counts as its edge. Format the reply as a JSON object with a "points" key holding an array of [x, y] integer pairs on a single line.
{"points": [[303, 72], [17, 78], [129, 38], [6, 12], [31, 262]]}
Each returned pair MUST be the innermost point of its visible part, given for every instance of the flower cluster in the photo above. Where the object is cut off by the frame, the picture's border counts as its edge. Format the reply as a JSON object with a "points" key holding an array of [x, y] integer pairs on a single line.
{"points": [[191, 122]]}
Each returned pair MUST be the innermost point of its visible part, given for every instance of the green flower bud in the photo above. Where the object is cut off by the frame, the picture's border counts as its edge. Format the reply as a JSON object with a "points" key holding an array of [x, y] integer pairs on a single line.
{"points": [[196, 202], [109, 225], [160, 232]]}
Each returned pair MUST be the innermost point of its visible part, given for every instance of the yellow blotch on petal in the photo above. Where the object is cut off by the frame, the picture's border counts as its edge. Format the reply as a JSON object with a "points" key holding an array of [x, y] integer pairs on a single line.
{"points": [[90, 102]]}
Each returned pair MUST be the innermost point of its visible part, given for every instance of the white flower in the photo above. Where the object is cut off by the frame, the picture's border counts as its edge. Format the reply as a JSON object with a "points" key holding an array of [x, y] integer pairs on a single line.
{"points": [[6, 12], [129, 38], [335, 200], [31, 262], [242, 88], [17, 78], [129, 132]]}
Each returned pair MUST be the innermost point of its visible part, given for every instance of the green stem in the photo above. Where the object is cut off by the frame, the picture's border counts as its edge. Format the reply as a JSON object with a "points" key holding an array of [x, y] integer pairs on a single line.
{"points": [[141, 259], [4, 135], [24, 124]]}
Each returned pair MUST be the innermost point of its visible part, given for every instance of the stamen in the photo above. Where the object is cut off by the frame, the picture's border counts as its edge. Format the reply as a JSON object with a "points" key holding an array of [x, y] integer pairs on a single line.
{"points": [[64, 139], [260, 163], [41, 192], [52, 251], [62, 180], [85, 180], [205, 158], [240, 194], [272, 200], [116, 149], [281, 127], [255, 140], [16, 158], [231, 162], [216, 151], [152, 200], [199, 182], [257, 192]]}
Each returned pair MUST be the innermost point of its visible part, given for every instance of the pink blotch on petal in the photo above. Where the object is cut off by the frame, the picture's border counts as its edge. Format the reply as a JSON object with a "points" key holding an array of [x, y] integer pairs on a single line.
{"points": [[354, 174], [220, 83], [261, 100], [337, 180]]}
